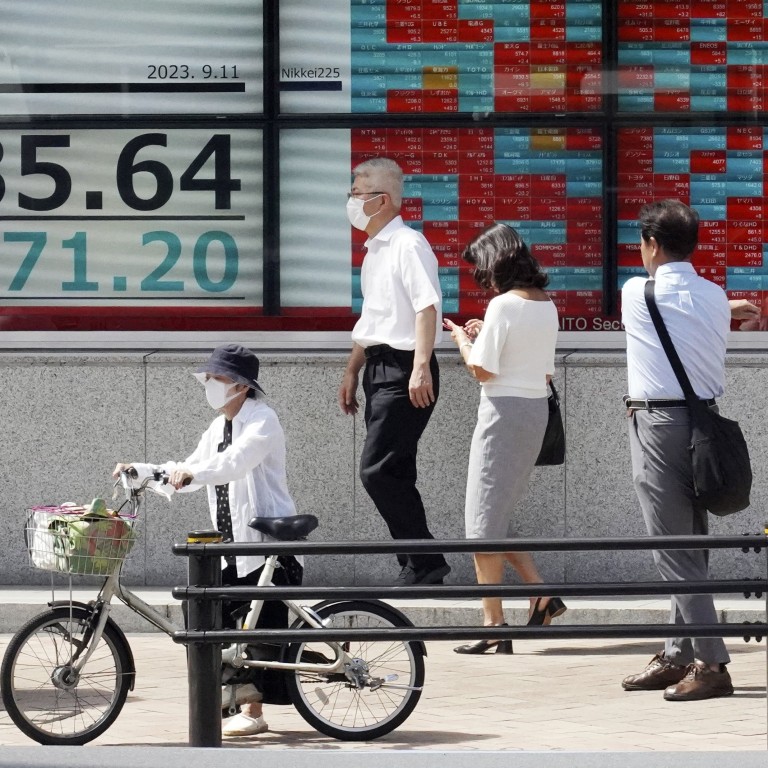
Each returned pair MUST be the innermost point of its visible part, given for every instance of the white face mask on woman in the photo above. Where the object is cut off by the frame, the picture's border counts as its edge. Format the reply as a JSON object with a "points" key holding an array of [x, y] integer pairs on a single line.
{"points": [[358, 218], [218, 393]]}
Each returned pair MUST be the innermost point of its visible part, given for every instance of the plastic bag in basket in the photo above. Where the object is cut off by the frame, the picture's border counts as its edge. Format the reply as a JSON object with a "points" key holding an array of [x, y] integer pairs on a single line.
{"points": [[85, 540], [96, 540]]}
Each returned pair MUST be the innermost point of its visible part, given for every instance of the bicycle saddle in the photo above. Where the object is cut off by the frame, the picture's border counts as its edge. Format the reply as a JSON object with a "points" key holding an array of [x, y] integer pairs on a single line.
{"points": [[285, 528]]}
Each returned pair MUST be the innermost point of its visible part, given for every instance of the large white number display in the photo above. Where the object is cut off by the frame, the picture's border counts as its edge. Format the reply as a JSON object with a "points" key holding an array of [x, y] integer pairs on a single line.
{"points": [[119, 217]]}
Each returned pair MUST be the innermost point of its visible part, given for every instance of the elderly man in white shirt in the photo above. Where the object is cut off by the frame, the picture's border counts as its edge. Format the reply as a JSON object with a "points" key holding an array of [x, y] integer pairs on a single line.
{"points": [[394, 338], [240, 460], [697, 315]]}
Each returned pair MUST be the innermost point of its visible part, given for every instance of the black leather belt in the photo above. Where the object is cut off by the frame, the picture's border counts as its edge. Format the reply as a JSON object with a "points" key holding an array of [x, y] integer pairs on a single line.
{"points": [[382, 349], [651, 404]]}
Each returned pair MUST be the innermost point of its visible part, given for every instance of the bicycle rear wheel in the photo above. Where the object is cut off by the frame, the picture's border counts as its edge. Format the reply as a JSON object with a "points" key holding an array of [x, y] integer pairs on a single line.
{"points": [[42, 693], [378, 691]]}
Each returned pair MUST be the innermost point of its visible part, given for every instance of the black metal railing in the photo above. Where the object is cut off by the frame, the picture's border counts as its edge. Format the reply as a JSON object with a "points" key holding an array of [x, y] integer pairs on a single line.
{"points": [[204, 636]]}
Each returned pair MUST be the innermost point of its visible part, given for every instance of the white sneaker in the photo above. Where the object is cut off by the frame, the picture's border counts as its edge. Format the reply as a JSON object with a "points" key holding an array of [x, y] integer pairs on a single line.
{"points": [[243, 725]]}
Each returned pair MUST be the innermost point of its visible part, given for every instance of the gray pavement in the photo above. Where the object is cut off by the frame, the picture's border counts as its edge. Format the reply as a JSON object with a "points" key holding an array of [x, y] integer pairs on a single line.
{"points": [[551, 696]]}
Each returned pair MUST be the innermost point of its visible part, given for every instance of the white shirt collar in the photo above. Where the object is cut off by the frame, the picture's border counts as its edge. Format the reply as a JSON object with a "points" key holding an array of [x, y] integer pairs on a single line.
{"points": [[679, 267], [386, 232]]}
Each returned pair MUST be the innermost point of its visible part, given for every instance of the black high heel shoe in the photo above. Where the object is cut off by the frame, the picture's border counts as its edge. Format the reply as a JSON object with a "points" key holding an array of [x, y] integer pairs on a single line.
{"points": [[483, 646], [554, 608]]}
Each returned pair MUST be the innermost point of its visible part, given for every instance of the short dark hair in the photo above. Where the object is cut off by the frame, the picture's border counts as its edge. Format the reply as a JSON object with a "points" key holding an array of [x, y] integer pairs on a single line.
{"points": [[673, 225], [502, 260]]}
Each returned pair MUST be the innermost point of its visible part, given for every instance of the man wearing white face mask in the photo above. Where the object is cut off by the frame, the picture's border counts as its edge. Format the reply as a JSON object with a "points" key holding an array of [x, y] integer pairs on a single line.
{"points": [[240, 460], [394, 338]]}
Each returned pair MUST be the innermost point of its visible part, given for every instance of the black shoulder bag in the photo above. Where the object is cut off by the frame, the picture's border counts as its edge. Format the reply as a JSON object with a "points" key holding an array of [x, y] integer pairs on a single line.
{"points": [[553, 446], [722, 475]]}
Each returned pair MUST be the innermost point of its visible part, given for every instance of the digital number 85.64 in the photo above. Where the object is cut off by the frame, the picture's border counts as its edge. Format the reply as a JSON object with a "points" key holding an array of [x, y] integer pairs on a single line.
{"points": [[218, 147]]}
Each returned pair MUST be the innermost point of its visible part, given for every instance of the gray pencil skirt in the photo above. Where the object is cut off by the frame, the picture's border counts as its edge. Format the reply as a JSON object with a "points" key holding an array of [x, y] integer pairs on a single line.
{"points": [[505, 445]]}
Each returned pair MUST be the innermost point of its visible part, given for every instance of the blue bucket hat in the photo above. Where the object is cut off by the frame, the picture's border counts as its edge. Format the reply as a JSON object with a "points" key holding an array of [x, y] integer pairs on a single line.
{"points": [[233, 361]]}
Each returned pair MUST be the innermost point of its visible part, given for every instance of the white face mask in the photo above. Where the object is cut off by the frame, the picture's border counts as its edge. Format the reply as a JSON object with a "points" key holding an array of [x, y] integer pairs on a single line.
{"points": [[356, 215], [217, 393]]}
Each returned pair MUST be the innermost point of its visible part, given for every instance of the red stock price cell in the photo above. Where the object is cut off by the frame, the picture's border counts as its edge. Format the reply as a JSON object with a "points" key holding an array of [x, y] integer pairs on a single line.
{"points": [[744, 232], [710, 255], [708, 161], [513, 185], [442, 232], [513, 208], [745, 208], [713, 232], [582, 303], [476, 186], [550, 254], [584, 254], [475, 31], [475, 163], [672, 101], [744, 138], [745, 255], [709, 54]]}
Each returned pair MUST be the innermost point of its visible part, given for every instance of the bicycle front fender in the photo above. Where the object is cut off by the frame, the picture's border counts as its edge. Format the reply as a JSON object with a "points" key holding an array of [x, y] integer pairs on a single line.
{"points": [[89, 607]]}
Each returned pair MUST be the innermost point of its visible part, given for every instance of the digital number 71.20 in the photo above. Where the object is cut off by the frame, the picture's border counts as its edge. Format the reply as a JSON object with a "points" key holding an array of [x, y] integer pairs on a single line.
{"points": [[154, 280]]}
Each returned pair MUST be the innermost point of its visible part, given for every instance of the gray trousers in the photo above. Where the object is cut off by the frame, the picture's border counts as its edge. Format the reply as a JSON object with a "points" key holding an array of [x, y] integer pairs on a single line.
{"points": [[662, 474]]}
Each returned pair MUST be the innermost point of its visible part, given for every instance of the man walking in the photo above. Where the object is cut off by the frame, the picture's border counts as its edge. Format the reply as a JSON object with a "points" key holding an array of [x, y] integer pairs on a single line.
{"points": [[394, 339], [697, 315]]}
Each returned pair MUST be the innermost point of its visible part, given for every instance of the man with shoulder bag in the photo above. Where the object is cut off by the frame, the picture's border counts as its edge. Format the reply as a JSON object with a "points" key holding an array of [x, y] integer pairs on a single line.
{"points": [[696, 314]]}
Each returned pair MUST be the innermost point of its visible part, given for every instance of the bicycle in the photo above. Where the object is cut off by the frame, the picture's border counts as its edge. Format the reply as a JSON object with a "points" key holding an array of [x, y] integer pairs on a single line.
{"points": [[67, 672]]}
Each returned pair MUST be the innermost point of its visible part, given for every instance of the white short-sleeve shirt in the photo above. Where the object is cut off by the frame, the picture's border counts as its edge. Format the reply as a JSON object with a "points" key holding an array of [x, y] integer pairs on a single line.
{"points": [[398, 279], [698, 317], [517, 344]]}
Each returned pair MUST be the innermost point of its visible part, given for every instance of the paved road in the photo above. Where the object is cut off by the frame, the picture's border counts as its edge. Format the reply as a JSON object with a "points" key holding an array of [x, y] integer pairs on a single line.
{"points": [[558, 695]]}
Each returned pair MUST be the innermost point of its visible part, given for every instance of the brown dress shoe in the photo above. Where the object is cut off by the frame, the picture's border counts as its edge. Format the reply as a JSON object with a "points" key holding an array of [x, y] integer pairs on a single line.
{"points": [[658, 675], [700, 682]]}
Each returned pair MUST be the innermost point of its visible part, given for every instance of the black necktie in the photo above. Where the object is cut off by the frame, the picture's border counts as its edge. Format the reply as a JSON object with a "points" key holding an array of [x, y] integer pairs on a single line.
{"points": [[223, 515]]}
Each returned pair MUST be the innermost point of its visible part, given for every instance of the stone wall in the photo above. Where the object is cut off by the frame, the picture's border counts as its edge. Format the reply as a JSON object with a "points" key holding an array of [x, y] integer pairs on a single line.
{"points": [[70, 417]]}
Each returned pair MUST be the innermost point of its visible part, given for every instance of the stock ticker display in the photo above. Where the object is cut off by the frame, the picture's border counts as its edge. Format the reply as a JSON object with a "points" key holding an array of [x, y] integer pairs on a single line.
{"points": [[546, 182], [464, 56], [719, 171], [692, 56]]}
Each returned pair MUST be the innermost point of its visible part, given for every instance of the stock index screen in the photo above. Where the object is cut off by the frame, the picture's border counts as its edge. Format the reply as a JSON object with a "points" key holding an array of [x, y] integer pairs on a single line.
{"points": [[719, 171], [546, 182], [440, 56], [692, 56]]}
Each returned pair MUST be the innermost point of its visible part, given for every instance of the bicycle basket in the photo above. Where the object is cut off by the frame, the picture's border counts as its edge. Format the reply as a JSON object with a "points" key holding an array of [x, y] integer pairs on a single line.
{"points": [[71, 539]]}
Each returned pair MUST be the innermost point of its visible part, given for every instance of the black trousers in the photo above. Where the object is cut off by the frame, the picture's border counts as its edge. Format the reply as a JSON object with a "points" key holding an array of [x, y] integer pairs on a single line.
{"points": [[388, 461]]}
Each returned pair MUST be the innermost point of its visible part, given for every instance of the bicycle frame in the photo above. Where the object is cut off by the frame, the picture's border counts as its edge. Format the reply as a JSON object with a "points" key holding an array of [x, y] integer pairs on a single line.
{"points": [[232, 655]]}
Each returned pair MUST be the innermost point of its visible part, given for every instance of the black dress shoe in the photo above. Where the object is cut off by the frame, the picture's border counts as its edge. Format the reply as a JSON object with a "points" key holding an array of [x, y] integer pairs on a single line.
{"points": [[658, 675], [483, 646], [409, 576], [554, 608]]}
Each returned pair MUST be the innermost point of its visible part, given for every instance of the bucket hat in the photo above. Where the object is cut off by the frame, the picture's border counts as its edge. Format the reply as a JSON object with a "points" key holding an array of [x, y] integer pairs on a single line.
{"points": [[233, 361]]}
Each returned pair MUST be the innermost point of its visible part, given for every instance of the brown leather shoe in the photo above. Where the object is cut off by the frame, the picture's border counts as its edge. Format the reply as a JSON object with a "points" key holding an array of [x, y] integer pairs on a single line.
{"points": [[658, 675], [700, 682]]}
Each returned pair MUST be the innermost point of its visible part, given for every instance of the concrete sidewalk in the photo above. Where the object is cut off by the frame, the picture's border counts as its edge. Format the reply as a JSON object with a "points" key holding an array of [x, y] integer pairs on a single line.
{"points": [[556, 695]]}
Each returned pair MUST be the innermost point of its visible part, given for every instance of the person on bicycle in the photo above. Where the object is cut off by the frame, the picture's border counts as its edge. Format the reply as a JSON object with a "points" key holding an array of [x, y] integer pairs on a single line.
{"points": [[240, 460]]}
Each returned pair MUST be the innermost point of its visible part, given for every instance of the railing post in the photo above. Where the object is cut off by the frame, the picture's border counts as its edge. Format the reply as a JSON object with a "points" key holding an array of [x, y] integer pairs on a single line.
{"points": [[204, 659]]}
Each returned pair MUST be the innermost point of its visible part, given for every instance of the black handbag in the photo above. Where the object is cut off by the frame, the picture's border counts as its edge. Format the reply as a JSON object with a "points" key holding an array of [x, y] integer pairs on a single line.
{"points": [[553, 446], [722, 474]]}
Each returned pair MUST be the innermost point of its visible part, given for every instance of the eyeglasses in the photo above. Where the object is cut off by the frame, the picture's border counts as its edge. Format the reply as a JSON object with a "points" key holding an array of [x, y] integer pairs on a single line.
{"points": [[350, 195]]}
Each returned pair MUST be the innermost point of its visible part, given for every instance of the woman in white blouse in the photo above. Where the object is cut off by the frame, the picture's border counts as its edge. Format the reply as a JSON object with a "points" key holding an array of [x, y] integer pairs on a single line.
{"points": [[512, 356]]}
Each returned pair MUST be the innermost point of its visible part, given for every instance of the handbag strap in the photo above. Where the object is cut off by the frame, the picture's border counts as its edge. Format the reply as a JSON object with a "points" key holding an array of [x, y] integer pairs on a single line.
{"points": [[555, 395], [666, 343]]}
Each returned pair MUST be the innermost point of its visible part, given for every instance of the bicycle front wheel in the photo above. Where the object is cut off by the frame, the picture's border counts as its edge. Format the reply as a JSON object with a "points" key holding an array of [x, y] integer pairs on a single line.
{"points": [[45, 696], [375, 693]]}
